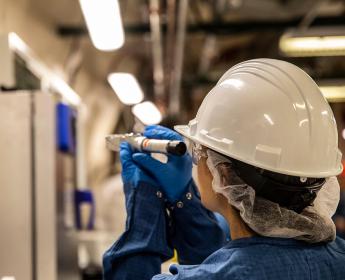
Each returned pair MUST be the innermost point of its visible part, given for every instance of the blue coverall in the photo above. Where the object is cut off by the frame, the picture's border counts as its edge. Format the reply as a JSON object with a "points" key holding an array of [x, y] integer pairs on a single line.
{"points": [[340, 213], [152, 232]]}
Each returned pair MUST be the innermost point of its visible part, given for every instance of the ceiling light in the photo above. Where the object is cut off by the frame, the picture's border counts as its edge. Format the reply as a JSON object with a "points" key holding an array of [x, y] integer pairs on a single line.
{"points": [[18, 46], [16, 43], [147, 113], [65, 90], [313, 42], [103, 20], [126, 87], [333, 93], [49, 80]]}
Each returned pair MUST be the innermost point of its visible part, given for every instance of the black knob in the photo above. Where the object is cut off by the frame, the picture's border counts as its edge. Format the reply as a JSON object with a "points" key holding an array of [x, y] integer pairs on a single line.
{"points": [[176, 148]]}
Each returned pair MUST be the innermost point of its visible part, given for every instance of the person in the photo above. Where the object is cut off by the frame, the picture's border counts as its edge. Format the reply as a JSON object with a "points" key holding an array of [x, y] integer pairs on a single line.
{"points": [[264, 142]]}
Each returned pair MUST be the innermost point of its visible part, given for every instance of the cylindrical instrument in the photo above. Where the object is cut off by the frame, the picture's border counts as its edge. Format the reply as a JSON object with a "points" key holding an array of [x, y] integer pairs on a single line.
{"points": [[141, 143]]}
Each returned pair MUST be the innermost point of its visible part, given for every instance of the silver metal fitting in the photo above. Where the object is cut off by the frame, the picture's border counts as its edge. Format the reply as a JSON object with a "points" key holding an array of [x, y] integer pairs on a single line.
{"points": [[159, 194]]}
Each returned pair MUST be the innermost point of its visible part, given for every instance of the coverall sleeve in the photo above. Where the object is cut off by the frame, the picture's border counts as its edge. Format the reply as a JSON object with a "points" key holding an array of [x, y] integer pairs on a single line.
{"points": [[194, 231], [142, 248]]}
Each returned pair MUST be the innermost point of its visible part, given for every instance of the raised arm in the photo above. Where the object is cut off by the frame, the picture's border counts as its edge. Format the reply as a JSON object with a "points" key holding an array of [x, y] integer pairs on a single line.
{"points": [[142, 248], [194, 231]]}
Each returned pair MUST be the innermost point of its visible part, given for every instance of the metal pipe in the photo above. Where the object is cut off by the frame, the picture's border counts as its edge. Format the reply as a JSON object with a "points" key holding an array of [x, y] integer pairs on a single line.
{"points": [[224, 28], [311, 15], [170, 40], [175, 86], [157, 53], [207, 54]]}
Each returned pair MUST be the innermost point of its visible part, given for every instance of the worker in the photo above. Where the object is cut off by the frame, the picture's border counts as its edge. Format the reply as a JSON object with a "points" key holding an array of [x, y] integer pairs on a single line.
{"points": [[265, 145]]}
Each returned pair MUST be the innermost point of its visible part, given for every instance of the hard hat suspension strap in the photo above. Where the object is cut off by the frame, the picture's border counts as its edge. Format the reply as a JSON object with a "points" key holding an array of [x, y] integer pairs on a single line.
{"points": [[291, 192]]}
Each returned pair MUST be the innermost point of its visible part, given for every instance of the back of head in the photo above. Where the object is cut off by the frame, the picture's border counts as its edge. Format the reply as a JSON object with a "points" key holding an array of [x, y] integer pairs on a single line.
{"points": [[292, 192], [269, 114], [276, 134]]}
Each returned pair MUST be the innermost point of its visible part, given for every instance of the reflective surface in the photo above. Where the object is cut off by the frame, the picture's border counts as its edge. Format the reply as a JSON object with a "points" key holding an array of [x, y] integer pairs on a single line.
{"points": [[270, 114]]}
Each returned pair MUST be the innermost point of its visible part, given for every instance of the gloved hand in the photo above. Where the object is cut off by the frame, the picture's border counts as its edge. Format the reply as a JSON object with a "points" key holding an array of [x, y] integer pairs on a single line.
{"points": [[173, 177], [131, 173]]}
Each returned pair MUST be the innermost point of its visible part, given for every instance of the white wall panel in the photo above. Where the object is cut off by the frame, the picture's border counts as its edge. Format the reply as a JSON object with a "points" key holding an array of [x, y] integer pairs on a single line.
{"points": [[15, 186], [44, 132]]}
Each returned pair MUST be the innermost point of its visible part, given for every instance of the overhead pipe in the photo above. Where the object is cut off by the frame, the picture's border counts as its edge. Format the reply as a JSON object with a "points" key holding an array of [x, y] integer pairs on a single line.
{"points": [[157, 52], [175, 86], [223, 28], [207, 54], [170, 40], [311, 15]]}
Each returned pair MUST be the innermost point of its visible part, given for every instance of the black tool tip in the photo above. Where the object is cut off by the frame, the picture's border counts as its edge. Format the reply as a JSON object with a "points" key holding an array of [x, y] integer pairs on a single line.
{"points": [[177, 148]]}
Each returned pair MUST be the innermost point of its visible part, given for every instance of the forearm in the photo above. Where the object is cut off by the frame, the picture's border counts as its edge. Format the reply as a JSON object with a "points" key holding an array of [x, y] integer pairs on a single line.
{"points": [[142, 248], [195, 232], [137, 266]]}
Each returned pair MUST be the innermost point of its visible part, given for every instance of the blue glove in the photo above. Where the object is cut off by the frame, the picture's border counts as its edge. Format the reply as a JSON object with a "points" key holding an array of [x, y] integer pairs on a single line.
{"points": [[131, 173], [174, 176]]}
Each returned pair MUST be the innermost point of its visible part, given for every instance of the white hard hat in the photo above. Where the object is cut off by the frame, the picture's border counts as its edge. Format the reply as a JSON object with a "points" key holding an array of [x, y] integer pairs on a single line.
{"points": [[270, 114]]}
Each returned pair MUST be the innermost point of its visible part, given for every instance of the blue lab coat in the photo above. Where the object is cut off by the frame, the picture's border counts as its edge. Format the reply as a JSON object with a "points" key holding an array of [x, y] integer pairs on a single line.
{"points": [[203, 252], [340, 213]]}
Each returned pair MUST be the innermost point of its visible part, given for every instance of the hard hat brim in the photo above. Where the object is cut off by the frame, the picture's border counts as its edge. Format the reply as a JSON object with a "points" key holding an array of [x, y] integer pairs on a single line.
{"points": [[184, 130]]}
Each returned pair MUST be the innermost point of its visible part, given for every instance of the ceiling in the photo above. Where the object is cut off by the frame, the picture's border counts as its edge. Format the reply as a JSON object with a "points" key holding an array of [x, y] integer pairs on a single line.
{"points": [[219, 34]]}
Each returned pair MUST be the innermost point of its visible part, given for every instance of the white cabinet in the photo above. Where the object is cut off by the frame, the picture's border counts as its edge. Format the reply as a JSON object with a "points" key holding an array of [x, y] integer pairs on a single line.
{"points": [[27, 186]]}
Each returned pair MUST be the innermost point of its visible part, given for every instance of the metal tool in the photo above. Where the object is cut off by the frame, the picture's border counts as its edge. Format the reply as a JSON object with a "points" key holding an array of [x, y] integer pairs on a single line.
{"points": [[143, 144]]}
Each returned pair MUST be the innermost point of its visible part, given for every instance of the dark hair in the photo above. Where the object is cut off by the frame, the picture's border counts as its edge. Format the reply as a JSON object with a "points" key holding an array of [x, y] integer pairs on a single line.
{"points": [[292, 192]]}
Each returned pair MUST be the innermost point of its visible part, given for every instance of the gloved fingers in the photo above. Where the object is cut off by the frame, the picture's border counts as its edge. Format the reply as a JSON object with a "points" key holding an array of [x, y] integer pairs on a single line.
{"points": [[153, 126], [126, 153], [160, 128], [172, 159], [160, 132], [156, 126], [148, 163]]}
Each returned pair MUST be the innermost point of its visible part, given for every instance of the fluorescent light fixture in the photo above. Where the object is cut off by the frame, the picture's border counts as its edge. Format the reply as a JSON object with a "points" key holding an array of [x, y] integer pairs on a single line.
{"points": [[333, 93], [65, 90], [147, 113], [48, 78], [103, 20], [16, 43], [126, 87], [18, 46], [314, 42]]}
